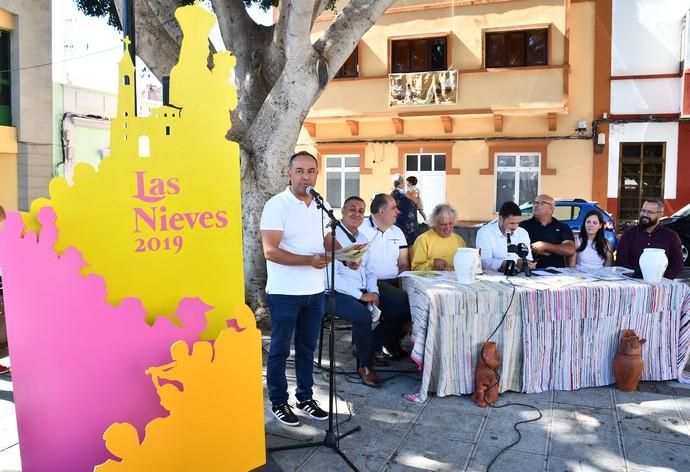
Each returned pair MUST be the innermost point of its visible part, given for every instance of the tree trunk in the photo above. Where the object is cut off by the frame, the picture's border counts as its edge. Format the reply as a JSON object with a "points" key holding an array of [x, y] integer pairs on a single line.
{"points": [[279, 75], [253, 199]]}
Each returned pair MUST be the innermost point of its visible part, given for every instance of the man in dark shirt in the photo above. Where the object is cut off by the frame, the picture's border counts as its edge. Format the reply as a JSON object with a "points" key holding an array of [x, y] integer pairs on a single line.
{"points": [[552, 241], [650, 234]]}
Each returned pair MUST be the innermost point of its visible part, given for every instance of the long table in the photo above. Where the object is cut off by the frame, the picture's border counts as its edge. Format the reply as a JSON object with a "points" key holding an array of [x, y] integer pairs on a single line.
{"points": [[550, 338]]}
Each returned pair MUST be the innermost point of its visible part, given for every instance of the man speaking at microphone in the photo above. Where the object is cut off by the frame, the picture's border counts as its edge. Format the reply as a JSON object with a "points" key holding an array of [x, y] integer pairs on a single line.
{"points": [[494, 238], [293, 242]]}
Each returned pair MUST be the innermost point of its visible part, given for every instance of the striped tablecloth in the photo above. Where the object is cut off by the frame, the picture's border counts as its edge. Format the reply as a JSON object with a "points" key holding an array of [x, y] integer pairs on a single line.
{"points": [[552, 339]]}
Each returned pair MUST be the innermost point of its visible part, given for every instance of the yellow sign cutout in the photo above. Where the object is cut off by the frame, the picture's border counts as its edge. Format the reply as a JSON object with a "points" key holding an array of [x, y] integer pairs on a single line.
{"points": [[213, 424], [161, 220]]}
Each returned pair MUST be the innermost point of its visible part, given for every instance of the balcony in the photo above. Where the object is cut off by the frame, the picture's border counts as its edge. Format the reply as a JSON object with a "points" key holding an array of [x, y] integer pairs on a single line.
{"points": [[423, 88], [483, 91]]}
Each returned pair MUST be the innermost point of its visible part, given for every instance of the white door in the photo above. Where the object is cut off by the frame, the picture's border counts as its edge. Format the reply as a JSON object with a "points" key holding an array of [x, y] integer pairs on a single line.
{"points": [[430, 170]]}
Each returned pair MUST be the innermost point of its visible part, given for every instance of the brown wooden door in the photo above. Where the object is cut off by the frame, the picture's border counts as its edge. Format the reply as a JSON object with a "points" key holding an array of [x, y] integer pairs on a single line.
{"points": [[641, 177]]}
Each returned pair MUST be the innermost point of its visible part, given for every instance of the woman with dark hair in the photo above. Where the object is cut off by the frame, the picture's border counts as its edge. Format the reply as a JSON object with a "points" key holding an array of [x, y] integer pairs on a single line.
{"points": [[407, 217], [593, 250]]}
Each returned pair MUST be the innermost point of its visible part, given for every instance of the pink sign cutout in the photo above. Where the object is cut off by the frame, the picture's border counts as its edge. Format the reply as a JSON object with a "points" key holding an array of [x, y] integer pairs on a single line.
{"points": [[78, 363]]}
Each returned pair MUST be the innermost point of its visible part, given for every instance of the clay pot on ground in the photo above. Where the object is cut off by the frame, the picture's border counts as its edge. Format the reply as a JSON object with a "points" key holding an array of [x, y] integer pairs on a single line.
{"points": [[627, 364], [485, 377]]}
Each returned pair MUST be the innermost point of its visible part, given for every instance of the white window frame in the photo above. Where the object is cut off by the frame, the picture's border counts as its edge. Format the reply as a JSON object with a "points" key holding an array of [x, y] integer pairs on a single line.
{"points": [[341, 170], [517, 169], [419, 162]]}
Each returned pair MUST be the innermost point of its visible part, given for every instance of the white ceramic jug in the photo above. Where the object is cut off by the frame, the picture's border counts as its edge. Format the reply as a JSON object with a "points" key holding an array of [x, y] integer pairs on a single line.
{"points": [[653, 263], [465, 261]]}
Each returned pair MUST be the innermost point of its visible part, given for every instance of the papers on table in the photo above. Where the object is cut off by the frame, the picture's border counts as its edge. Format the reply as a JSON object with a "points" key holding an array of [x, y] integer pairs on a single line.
{"points": [[427, 274], [611, 273]]}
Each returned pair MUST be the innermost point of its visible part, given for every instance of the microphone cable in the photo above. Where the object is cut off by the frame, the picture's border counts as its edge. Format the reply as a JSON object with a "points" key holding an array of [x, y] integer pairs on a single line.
{"points": [[498, 379]]}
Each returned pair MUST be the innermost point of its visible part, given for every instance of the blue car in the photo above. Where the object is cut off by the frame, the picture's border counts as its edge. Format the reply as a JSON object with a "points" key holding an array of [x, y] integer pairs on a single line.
{"points": [[572, 212]]}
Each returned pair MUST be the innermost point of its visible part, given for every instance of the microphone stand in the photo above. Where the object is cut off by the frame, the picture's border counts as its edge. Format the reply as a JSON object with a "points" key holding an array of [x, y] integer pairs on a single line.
{"points": [[332, 438]]}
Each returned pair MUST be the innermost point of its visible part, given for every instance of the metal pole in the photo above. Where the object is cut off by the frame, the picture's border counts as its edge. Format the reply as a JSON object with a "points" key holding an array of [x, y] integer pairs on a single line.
{"points": [[130, 31]]}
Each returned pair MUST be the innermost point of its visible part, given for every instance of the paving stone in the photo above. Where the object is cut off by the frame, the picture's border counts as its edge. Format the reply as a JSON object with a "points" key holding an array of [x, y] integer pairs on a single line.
{"points": [[456, 404], [10, 460], [562, 464], [655, 402], [325, 459], [520, 412], [528, 398], [665, 407], [395, 467], [394, 413], [660, 428], [369, 448], [460, 426], [586, 439], [8, 432], [6, 403], [509, 461], [600, 397], [603, 419], [499, 432], [648, 455], [433, 453], [683, 405]]}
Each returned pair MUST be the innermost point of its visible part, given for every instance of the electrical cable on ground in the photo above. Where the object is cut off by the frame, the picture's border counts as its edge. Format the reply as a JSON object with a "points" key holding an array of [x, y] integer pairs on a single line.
{"points": [[498, 378]]}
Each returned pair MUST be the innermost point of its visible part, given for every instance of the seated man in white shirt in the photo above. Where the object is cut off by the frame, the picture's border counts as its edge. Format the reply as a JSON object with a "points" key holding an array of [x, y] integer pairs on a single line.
{"points": [[493, 238], [388, 257], [356, 289]]}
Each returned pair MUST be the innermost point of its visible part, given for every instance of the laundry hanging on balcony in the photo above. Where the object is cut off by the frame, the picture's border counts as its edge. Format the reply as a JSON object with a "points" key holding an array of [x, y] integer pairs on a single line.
{"points": [[423, 88]]}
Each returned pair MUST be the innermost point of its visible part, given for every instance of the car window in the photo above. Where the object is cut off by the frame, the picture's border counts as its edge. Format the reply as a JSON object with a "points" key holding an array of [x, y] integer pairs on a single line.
{"points": [[576, 212], [527, 212], [563, 212]]}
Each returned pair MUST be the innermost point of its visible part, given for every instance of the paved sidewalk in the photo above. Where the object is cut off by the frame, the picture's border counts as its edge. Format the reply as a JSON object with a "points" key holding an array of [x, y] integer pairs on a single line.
{"points": [[586, 430]]}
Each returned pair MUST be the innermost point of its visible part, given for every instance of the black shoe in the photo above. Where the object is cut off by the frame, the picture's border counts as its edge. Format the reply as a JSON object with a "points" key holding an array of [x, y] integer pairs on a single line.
{"points": [[312, 408], [380, 359], [395, 352], [284, 414]]}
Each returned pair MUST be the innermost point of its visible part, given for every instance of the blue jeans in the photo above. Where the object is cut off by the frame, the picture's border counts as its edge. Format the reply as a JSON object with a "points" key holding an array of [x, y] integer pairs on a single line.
{"points": [[303, 315], [352, 310]]}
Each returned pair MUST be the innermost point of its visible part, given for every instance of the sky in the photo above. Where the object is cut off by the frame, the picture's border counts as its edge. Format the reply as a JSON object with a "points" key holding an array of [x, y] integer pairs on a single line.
{"points": [[86, 50]]}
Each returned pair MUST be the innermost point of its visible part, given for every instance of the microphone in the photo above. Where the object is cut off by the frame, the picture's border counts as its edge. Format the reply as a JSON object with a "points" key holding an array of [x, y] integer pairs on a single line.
{"points": [[312, 191], [511, 260], [523, 251], [324, 205], [511, 257]]}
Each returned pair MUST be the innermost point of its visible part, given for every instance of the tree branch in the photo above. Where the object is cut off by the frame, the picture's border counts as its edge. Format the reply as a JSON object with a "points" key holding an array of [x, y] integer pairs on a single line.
{"points": [[297, 41], [342, 35], [158, 35], [234, 22], [319, 7]]}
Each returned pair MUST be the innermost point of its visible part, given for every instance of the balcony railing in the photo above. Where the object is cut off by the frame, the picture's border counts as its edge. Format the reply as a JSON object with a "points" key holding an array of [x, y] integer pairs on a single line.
{"points": [[423, 88]]}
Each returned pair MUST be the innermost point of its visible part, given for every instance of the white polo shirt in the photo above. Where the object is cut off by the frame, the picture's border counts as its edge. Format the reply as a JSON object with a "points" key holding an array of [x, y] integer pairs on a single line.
{"points": [[384, 248], [302, 228], [348, 281], [494, 244]]}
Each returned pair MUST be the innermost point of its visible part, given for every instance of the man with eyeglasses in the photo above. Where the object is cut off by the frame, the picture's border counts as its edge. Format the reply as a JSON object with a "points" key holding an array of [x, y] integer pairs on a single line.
{"points": [[552, 241], [650, 234]]}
